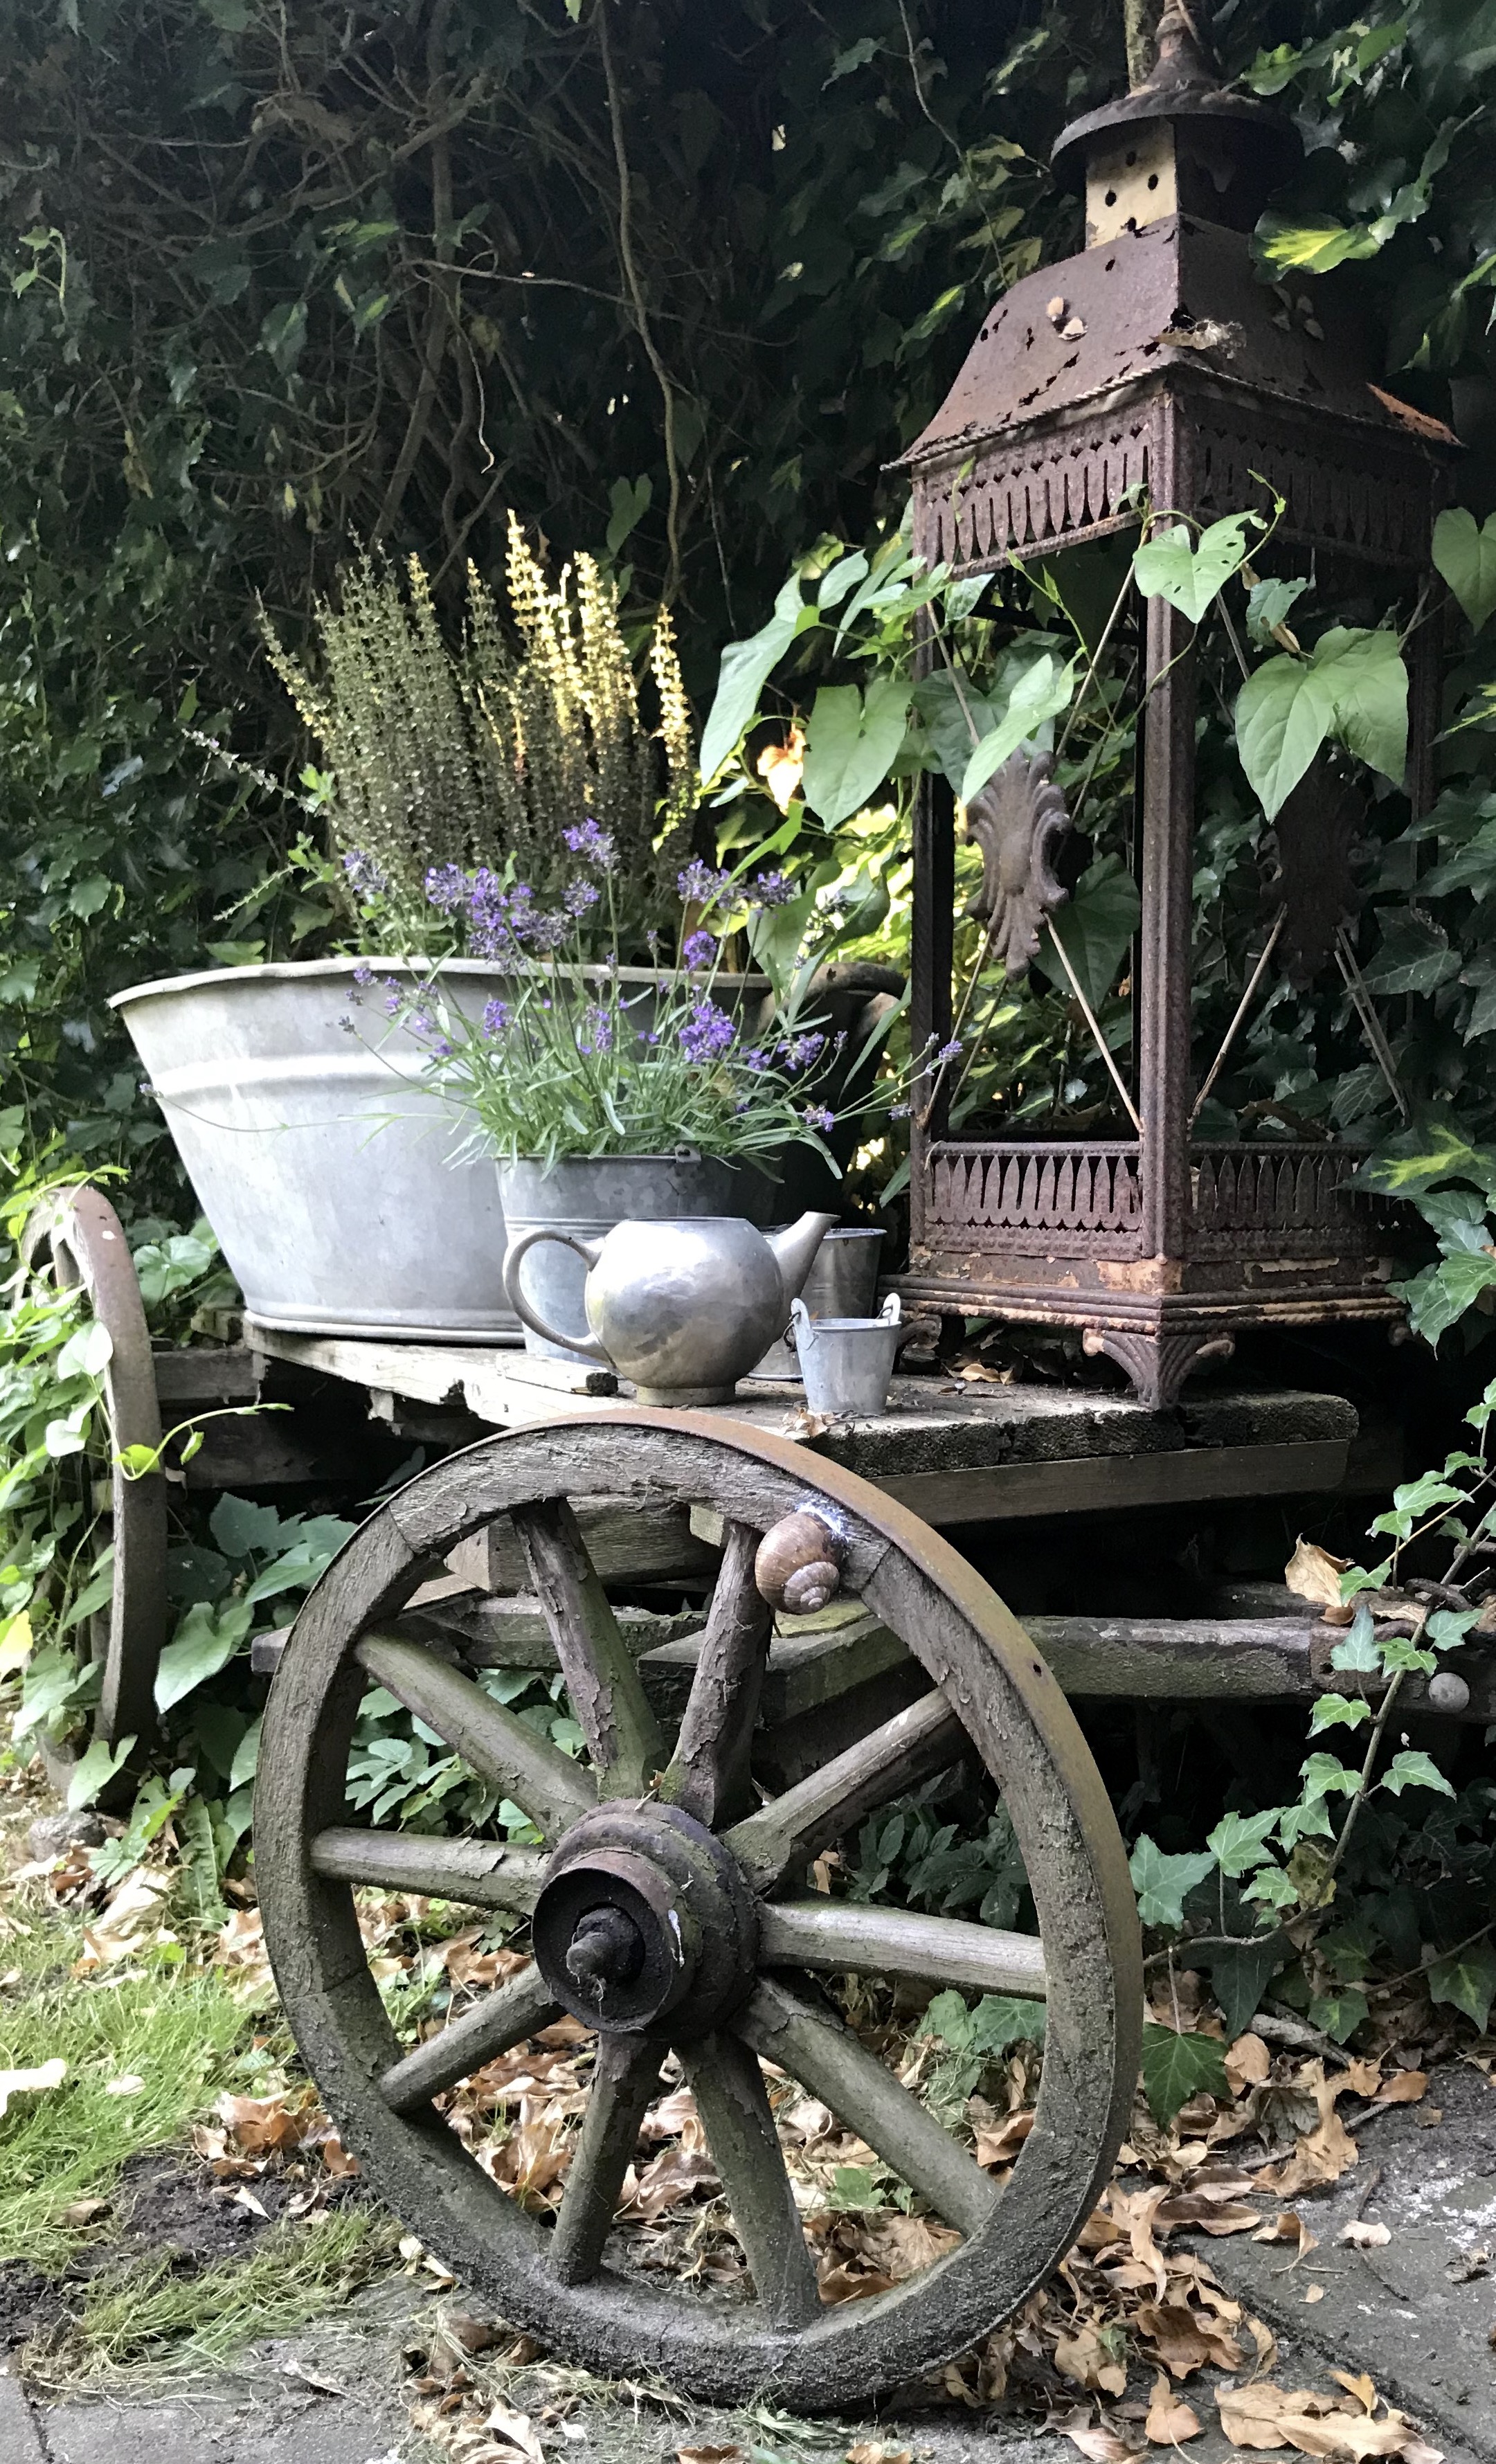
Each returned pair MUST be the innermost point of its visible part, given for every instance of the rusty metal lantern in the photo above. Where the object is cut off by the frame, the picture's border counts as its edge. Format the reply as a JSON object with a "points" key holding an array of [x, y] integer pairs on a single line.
{"points": [[1156, 368]]}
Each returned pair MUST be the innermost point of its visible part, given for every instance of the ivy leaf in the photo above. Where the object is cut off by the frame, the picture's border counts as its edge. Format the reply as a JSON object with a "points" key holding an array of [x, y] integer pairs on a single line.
{"points": [[1353, 689], [1163, 1884], [1339, 1711], [1003, 2019], [1467, 1980], [1310, 243], [1440, 1296], [1358, 1655], [245, 1530], [745, 670], [1464, 554], [1240, 1973], [1447, 1629], [283, 333], [1413, 1770], [1325, 1774], [247, 1756], [1042, 692], [948, 2018], [850, 745], [1176, 2066], [1239, 1841], [1271, 1887], [1170, 565], [1340, 2012], [1413, 954]]}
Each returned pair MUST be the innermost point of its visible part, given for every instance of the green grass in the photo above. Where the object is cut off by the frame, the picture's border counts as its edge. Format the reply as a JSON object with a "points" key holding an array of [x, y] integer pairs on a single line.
{"points": [[176, 2032], [144, 2324]]}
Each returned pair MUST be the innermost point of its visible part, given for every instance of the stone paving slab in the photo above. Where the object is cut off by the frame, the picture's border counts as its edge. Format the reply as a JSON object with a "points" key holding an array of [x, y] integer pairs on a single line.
{"points": [[1398, 2311]]}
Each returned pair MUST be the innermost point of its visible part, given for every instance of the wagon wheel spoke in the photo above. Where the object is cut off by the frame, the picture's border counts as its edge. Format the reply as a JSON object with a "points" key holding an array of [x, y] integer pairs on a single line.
{"points": [[501, 2019], [708, 1775], [503, 1750], [478, 1873], [816, 2049], [898, 1942], [785, 1833], [607, 1691], [734, 2105], [624, 2079]]}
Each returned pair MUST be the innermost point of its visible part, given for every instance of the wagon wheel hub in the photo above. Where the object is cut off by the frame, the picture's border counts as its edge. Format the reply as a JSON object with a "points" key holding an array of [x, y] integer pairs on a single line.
{"points": [[646, 1916]]}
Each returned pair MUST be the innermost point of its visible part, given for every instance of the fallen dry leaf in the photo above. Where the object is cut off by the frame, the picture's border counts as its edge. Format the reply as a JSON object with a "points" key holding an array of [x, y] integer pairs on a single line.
{"points": [[1363, 2389], [1363, 2078], [1000, 2146], [1169, 2417], [1321, 2154], [515, 2429], [1288, 2226], [868, 2451], [709, 2454], [1103, 2445], [1313, 2293], [1312, 1574], [1404, 2087], [83, 2212], [47, 2075], [1248, 2063], [1364, 2236], [1185, 2341], [1090, 2363]]}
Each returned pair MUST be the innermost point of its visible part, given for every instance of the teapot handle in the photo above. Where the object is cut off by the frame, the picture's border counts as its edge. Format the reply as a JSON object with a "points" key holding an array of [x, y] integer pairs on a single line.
{"points": [[514, 1258]]}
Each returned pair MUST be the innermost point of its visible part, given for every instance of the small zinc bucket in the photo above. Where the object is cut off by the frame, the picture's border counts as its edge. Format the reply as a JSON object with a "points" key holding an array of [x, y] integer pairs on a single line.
{"points": [[847, 1362]]}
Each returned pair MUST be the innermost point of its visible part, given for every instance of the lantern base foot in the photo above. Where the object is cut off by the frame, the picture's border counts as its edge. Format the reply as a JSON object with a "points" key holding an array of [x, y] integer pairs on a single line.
{"points": [[1158, 1364]]}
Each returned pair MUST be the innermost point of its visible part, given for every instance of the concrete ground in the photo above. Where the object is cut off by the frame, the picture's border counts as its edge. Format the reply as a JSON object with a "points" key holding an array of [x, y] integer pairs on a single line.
{"points": [[1416, 2311]]}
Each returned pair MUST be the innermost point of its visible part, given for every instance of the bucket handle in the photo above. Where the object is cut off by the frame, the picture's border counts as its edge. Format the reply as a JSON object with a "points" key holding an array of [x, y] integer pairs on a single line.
{"points": [[514, 1259]]}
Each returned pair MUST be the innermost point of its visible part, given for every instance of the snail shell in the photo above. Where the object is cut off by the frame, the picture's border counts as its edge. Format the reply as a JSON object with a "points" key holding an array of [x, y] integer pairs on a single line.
{"points": [[798, 1564]]}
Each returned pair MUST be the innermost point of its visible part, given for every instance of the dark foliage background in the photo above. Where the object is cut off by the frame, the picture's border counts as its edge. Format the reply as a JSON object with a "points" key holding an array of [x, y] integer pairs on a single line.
{"points": [[278, 277]]}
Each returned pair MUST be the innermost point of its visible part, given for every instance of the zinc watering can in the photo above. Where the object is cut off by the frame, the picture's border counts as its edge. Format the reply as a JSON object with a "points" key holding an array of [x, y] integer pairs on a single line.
{"points": [[682, 1310]]}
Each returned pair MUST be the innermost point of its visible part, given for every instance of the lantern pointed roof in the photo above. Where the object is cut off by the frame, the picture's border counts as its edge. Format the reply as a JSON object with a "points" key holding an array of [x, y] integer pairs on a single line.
{"points": [[1166, 292]]}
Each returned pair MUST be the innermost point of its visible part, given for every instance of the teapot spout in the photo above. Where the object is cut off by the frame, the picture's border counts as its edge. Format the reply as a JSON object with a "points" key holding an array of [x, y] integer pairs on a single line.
{"points": [[795, 1249]]}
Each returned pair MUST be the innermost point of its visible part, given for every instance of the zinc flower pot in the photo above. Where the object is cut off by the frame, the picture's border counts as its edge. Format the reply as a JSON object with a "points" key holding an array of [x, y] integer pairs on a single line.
{"points": [[318, 1157]]}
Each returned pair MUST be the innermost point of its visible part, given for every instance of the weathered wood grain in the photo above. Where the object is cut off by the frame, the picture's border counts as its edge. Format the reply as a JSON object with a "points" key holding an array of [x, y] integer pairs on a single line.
{"points": [[607, 1698], [708, 1774], [900, 1942], [503, 1750], [502, 2018], [625, 2077], [476, 1873], [782, 1836], [816, 2049], [728, 2086]]}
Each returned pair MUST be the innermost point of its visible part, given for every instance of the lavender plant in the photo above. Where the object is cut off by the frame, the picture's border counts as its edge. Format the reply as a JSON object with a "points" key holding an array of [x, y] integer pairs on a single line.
{"points": [[579, 1059]]}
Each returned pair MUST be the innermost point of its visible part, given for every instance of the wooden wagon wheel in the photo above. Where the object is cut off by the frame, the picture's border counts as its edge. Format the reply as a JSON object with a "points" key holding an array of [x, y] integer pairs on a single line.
{"points": [[669, 1913], [89, 1248]]}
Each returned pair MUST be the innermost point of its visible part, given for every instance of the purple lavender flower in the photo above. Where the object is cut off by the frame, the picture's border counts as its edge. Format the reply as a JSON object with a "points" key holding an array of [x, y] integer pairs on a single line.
{"points": [[817, 1118], [699, 885], [365, 877], [496, 1018], [442, 1047], [800, 1053], [597, 846], [756, 1060], [597, 1030], [707, 1032], [349, 1025], [773, 890], [579, 895], [898, 1112], [394, 993], [701, 949], [362, 974], [445, 887], [420, 1022], [547, 932], [949, 1051]]}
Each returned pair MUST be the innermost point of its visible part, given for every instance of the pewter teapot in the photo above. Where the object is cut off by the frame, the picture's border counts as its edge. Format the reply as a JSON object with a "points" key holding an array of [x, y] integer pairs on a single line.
{"points": [[682, 1310]]}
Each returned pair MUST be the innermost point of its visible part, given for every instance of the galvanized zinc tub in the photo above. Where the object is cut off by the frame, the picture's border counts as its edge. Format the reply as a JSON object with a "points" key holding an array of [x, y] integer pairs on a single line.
{"points": [[320, 1163], [320, 1160]]}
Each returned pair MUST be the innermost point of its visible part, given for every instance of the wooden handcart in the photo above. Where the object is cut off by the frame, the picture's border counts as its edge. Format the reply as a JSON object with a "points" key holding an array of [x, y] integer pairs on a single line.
{"points": [[726, 1748]]}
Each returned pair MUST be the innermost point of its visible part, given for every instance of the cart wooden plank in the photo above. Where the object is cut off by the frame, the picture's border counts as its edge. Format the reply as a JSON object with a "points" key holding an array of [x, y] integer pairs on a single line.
{"points": [[955, 1452]]}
